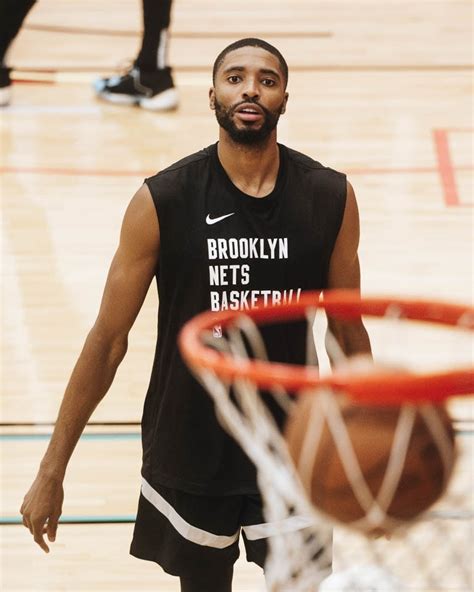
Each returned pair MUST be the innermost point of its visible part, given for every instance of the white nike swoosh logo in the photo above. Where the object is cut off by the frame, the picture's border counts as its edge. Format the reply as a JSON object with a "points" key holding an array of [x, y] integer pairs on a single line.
{"points": [[210, 220]]}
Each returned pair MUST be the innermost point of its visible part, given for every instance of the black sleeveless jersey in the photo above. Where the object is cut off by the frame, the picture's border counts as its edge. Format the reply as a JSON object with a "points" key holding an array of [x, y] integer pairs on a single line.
{"points": [[219, 249]]}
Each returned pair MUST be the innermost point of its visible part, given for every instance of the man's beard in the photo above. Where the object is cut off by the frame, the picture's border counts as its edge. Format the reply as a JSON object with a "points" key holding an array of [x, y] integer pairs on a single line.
{"points": [[247, 135]]}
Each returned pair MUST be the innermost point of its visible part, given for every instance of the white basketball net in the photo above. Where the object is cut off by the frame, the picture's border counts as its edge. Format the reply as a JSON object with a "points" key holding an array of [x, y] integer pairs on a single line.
{"points": [[432, 553]]}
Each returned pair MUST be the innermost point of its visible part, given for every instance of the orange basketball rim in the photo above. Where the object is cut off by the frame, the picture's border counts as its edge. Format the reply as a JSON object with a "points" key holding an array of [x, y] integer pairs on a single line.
{"points": [[377, 386]]}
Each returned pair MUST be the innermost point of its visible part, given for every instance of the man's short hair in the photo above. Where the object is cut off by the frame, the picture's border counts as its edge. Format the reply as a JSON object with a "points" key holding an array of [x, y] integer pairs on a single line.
{"points": [[251, 42]]}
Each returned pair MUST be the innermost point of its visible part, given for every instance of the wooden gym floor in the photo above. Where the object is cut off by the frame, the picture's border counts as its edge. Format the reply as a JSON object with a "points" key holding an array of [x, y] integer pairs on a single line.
{"points": [[381, 91]]}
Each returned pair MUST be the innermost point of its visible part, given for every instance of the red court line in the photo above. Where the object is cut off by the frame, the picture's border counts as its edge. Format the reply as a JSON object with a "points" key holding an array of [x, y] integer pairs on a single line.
{"points": [[125, 173], [445, 168], [30, 81], [94, 68], [75, 172], [142, 173]]}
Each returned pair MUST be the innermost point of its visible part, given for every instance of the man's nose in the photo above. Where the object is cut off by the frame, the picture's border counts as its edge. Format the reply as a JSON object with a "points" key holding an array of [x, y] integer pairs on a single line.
{"points": [[251, 89]]}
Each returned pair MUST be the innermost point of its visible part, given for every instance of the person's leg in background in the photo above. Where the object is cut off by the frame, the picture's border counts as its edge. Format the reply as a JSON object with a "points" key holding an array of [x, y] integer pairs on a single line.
{"points": [[12, 15], [213, 582], [149, 82]]}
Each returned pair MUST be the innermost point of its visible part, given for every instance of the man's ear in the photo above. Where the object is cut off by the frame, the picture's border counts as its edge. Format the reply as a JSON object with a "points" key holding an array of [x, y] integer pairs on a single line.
{"points": [[283, 109], [212, 98]]}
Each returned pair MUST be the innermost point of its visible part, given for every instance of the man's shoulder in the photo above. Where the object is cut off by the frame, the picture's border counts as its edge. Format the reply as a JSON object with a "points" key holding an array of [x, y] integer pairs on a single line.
{"points": [[306, 162], [184, 164]]}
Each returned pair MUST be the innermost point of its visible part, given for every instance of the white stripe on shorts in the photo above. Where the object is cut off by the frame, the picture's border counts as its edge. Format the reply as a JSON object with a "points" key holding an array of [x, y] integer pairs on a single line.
{"points": [[268, 529], [186, 530]]}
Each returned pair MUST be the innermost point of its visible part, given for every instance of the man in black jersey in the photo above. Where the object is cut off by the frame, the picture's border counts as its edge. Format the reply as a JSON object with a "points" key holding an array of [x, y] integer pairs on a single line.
{"points": [[243, 221]]}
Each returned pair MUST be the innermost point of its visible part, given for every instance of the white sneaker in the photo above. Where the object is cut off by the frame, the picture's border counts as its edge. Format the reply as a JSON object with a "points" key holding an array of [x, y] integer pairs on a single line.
{"points": [[149, 90]]}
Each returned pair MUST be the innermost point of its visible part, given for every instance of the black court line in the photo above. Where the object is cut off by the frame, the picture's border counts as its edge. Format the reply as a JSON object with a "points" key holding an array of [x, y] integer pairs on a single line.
{"points": [[448, 514], [84, 436], [174, 34], [462, 425], [126, 519], [28, 424], [458, 432]]}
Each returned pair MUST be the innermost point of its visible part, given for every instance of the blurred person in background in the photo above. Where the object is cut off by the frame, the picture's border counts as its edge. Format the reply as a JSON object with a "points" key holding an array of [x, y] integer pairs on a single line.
{"points": [[12, 15], [148, 83]]}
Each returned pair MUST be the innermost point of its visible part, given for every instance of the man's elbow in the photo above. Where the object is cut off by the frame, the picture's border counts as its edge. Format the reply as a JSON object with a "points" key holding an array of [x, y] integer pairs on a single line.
{"points": [[108, 347]]}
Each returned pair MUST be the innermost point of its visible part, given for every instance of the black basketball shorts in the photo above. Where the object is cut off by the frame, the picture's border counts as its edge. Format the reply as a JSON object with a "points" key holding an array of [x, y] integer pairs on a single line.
{"points": [[194, 535]]}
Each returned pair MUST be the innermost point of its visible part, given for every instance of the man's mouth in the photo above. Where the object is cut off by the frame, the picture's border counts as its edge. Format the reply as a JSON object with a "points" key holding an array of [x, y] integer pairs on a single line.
{"points": [[249, 112]]}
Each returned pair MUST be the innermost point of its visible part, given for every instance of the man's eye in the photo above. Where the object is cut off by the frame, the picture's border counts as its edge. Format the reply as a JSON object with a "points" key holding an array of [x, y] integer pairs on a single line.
{"points": [[268, 82], [233, 79]]}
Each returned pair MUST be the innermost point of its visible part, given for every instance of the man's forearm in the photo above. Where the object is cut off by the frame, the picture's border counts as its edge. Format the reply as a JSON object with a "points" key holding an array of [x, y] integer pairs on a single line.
{"points": [[90, 380], [352, 338]]}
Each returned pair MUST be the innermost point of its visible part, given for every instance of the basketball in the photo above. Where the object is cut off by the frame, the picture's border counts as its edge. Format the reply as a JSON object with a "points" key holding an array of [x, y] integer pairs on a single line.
{"points": [[421, 478]]}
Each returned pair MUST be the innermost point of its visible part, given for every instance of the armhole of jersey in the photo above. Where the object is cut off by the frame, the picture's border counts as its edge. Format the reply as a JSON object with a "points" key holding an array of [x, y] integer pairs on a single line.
{"points": [[154, 196], [338, 218], [343, 207]]}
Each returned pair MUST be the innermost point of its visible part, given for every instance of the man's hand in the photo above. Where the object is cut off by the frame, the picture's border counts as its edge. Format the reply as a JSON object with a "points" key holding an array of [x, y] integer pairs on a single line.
{"points": [[42, 508]]}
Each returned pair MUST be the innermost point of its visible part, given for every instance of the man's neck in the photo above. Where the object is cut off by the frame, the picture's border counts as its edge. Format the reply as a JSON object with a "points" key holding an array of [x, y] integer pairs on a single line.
{"points": [[253, 169]]}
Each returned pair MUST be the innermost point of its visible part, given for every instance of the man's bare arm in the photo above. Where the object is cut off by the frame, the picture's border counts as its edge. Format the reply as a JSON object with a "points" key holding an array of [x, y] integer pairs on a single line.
{"points": [[344, 273], [129, 278]]}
